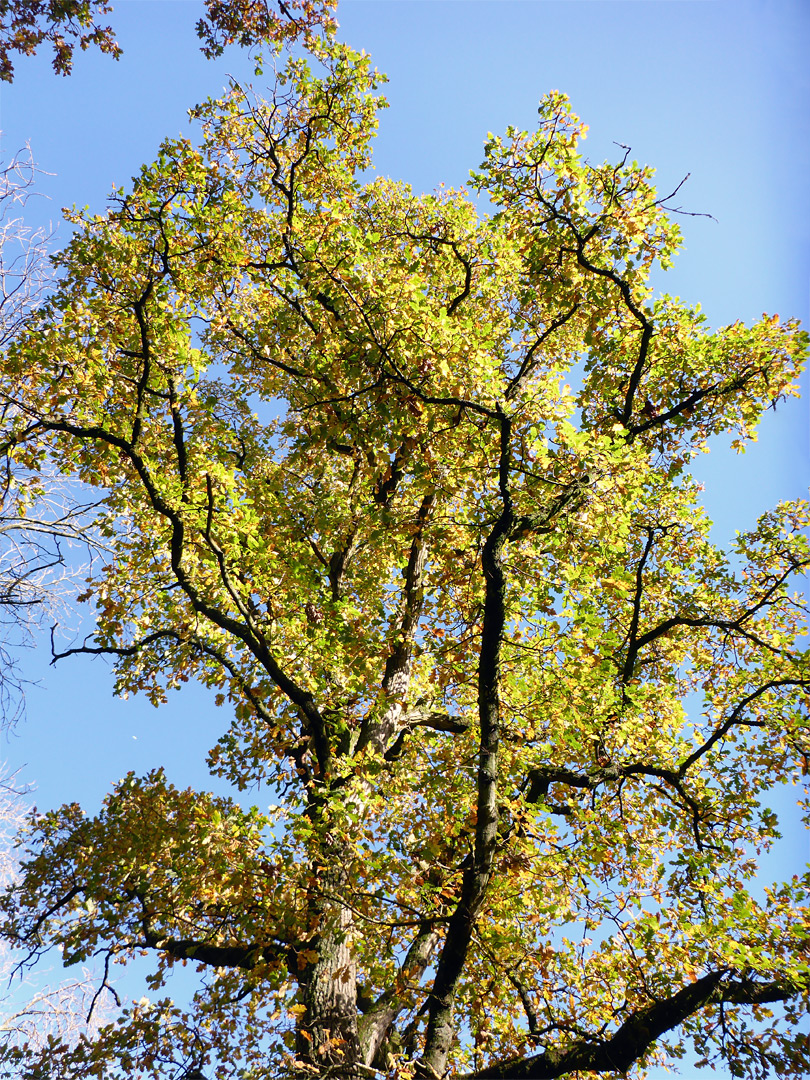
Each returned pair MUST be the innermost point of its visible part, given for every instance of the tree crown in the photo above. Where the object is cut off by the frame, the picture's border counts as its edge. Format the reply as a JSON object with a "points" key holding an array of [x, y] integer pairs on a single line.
{"points": [[515, 708]]}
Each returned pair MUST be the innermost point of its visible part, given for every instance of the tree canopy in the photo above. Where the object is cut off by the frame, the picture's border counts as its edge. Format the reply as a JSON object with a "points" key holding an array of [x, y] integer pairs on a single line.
{"points": [[405, 480]]}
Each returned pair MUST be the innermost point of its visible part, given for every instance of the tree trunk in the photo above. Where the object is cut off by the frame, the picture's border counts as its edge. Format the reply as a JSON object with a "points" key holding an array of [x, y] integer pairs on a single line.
{"points": [[327, 1035]]}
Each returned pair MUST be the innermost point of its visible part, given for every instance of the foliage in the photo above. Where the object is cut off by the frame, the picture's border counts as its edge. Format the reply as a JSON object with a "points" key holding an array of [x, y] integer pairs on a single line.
{"points": [[29, 1016], [26, 24], [518, 715]]}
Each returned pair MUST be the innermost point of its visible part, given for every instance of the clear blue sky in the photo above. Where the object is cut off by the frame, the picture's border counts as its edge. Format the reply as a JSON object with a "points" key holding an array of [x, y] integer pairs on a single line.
{"points": [[719, 89]]}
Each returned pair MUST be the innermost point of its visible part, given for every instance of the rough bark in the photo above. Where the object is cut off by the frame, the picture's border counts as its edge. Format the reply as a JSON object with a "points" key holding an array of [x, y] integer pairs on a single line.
{"points": [[327, 1035]]}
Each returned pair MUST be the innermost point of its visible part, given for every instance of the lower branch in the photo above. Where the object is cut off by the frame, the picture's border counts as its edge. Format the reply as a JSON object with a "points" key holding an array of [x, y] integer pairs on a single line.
{"points": [[638, 1034]]}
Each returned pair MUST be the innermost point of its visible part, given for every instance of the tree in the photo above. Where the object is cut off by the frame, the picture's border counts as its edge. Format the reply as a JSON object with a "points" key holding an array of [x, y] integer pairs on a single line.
{"points": [[516, 712]]}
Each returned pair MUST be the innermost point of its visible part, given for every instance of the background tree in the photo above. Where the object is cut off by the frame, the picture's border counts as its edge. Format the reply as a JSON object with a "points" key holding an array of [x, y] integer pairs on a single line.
{"points": [[38, 522], [516, 711], [41, 515]]}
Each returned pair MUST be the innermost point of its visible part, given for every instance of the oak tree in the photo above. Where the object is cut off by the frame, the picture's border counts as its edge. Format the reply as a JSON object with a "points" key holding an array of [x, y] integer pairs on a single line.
{"points": [[405, 480]]}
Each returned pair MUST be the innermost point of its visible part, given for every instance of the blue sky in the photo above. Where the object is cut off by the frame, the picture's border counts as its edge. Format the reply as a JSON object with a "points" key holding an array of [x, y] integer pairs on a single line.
{"points": [[716, 89]]}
